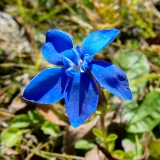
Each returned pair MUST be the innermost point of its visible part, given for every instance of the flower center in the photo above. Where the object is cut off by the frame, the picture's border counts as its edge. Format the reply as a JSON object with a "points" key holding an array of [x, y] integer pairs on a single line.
{"points": [[75, 61], [78, 67]]}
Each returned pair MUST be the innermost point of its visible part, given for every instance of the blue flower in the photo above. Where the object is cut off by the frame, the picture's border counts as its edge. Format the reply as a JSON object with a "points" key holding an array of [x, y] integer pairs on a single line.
{"points": [[76, 77]]}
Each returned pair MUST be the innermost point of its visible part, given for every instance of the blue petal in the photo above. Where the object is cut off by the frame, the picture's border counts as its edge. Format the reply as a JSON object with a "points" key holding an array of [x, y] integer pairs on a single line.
{"points": [[98, 40], [81, 97], [78, 49], [60, 40], [51, 55], [112, 78], [73, 55], [70, 72], [47, 87], [87, 59], [68, 63]]}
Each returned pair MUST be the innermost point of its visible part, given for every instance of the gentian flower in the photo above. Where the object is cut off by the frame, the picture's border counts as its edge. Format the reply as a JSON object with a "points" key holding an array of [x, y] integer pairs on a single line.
{"points": [[76, 77]]}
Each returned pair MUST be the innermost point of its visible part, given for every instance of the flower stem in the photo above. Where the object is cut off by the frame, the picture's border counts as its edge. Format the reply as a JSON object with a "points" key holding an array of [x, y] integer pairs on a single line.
{"points": [[103, 131]]}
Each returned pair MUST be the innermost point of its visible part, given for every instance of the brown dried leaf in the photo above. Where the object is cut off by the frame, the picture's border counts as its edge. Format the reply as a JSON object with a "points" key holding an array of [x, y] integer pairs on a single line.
{"points": [[94, 154], [9, 151], [47, 112], [17, 104], [73, 134]]}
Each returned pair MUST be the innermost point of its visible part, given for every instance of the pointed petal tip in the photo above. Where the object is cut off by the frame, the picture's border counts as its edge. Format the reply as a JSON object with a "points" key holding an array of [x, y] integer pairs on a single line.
{"points": [[111, 78], [75, 125], [129, 96], [27, 98], [47, 87], [81, 98], [125, 94], [116, 31], [33, 101]]}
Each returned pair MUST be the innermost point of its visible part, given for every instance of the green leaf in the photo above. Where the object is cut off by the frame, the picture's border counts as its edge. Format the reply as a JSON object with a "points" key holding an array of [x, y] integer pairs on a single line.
{"points": [[129, 110], [135, 65], [98, 133], [20, 121], [112, 137], [35, 116], [11, 136], [133, 147], [129, 155], [84, 144], [139, 148], [147, 115], [118, 154], [50, 128], [111, 142], [154, 146]]}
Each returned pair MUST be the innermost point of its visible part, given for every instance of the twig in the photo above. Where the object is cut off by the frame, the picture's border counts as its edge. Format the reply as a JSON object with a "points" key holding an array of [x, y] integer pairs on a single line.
{"points": [[5, 157], [5, 88], [16, 65], [62, 155], [111, 157], [6, 114], [33, 152]]}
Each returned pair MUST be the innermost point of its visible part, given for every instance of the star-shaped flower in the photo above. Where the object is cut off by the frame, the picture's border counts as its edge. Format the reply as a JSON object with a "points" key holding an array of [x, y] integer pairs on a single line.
{"points": [[76, 77]]}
